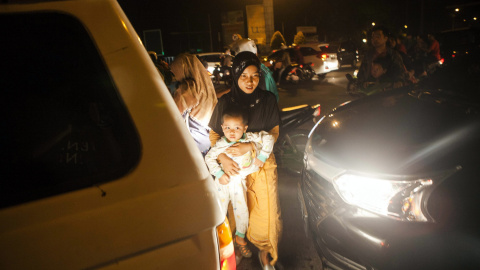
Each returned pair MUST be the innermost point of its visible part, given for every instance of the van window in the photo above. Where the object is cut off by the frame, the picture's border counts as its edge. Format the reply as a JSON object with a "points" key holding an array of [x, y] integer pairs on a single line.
{"points": [[64, 126]]}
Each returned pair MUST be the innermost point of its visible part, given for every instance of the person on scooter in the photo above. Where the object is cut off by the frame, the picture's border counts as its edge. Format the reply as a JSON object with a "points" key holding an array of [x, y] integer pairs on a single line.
{"points": [[433, 50], [262, 187], [281, 65], [226, 58], [378, 81], [396, 71], [225, 67], [395, 44]]}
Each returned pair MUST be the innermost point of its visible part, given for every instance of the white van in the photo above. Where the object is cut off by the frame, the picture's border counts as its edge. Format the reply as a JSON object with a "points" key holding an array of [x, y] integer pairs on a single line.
{"points": [[98, 170]]}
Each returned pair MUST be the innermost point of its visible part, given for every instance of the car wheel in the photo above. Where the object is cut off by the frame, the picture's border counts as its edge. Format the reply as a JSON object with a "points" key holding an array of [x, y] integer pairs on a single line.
{"points": [[309, 74], [322, 76]]}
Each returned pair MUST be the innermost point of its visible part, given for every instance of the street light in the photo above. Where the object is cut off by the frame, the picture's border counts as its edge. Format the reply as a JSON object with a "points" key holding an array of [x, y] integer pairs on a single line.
{"points": [[406, 26], [373, 24], [453, 18]]}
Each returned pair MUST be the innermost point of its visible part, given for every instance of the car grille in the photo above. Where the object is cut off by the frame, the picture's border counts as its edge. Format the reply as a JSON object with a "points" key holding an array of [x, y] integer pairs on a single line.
{"points": [[321, 201], [320, 197]]}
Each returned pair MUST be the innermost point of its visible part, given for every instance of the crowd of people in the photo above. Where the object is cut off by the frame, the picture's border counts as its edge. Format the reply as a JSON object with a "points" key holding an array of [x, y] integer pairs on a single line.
{"points": [[242, 163], [395, 61]]}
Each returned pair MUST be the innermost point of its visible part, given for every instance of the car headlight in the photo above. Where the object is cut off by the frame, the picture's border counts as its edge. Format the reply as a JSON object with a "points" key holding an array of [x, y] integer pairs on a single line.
{"points": [[399, 199]]}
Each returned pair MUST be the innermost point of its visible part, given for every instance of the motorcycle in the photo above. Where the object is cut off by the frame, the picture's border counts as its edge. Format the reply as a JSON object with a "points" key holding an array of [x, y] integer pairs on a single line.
{"points": [[433, 66], [294, 73], [370, 89], [307, 70], [223, 73], [291, 143], [352, 88]]}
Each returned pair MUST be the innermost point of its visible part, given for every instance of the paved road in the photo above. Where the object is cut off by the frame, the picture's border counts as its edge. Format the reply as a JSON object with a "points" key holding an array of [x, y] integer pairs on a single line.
{"points": [[296, 252]]}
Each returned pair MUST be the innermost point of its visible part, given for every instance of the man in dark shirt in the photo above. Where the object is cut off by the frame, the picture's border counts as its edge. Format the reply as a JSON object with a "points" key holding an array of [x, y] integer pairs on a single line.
{"points": [[396, 72]]}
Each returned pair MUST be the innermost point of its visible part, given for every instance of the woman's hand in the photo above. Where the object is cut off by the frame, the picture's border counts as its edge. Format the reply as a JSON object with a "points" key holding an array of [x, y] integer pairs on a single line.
{"points": [[230, 167], [239, 149]]}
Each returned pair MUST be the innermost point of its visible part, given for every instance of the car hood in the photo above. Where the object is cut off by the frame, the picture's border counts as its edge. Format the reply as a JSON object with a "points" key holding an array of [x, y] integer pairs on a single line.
{"points": [[403, 131]]}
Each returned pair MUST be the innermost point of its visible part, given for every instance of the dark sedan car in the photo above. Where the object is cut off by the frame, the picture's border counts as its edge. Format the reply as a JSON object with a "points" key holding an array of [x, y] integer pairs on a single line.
{"points": [[347, 52], [392, 181]]}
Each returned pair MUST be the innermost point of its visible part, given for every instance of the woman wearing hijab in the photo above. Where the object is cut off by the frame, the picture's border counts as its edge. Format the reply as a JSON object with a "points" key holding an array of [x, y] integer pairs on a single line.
{"points": [[195, 97], [263, 115]]}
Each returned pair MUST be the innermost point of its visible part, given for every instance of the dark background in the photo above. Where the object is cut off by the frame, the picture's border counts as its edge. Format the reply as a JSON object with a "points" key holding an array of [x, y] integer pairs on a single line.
{"points": [[195, 26]]}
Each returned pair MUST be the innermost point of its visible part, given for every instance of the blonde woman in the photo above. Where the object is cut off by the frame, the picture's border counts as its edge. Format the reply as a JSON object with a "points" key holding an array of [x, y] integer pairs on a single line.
{"points": [[195, 97]]}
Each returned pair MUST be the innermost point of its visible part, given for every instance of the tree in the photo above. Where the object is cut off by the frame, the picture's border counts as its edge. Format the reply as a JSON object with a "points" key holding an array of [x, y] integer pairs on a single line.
{"points": [[277, 40], [299, 38]]}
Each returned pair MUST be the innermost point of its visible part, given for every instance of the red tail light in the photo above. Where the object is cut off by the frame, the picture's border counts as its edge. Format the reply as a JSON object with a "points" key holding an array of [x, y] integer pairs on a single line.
{"points": [[317, 110], [229, 263], [442, 60], [227, 251], [323, 56]]}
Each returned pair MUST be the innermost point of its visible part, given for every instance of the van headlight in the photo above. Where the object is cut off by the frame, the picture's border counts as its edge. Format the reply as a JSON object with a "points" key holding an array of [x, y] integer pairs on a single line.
{"points": [[399, 199]]}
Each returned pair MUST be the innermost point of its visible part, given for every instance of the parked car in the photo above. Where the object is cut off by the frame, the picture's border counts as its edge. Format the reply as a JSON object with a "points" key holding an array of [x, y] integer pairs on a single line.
{"points": [[391, 180], [347, 52], [98, 169], [322, 62]]}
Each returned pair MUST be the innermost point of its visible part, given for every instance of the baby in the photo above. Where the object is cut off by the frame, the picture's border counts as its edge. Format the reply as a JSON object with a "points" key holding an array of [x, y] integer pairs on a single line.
{"points": [[233, 187]]}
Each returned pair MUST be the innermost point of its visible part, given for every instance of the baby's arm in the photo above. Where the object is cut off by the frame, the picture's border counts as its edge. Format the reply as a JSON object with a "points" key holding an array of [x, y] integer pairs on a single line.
{"points": [[266, 141], [257, 162], [224, 179], [211, 159]]}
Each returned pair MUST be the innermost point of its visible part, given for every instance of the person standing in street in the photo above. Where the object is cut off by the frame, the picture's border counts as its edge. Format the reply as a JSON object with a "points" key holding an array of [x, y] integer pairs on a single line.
{"points": [[265, 226]]}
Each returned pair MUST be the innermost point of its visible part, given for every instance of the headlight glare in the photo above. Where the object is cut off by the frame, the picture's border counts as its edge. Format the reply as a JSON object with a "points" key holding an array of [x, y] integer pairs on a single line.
{"points": [[399, 199]]}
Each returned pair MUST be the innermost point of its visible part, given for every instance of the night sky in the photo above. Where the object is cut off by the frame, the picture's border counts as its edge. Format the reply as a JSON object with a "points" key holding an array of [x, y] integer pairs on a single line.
{"points": [[196, 25]]}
